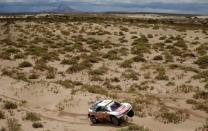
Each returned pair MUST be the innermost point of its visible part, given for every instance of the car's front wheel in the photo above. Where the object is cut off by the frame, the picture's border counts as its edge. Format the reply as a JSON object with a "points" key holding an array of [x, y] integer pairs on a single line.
{"points": [[93, 120], [115, 121], [130, 113]]}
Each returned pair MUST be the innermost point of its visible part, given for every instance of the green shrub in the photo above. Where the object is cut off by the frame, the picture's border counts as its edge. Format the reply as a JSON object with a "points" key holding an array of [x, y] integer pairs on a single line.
{"points": [[25, 64], [33, 76], [202, 62], [139, 58], [140, 46], [181, 44], [201, 95], [50, 75], [112, 55], [66, 83], [10, 105], [99, 71], [161, 74], [158, 57], [168, 57], [206, 86], [37, 125], [73, 60], [32, 116], [130, 74], [202, 49], [2, 115], [75, 68], [126, 63], [150, 36]]}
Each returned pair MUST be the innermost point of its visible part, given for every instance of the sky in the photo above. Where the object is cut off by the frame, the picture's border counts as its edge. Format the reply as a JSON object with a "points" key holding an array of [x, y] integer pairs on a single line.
{"points": [[164, 6], [112, 1]]}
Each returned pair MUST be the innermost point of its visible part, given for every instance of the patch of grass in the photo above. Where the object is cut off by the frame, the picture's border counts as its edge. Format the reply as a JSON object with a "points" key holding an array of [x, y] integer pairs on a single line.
{"points": [[181, 44], [202, 49], [10, 105], [33, 76], [13, 124], [168, 57], [175, 117], [185, 68], [158, 58], [134, 128], [100, 71], [206, 86], [161, 74], [69, 84], [201, 95], [71, 61], [77, 68], [139, 58], [201, 75], [140, 46], [112, 55], [32, 117], [2, 115], [37, 125], [95, 89], [202, 62], [50, 75], [130, 74], [108, 85], [204, 127], [25, 64], [126, 63], [185, 88]]}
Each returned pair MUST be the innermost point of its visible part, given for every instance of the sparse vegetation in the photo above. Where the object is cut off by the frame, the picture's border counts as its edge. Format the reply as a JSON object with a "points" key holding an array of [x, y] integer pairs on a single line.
{"points": [[202, 62], [37, 125], [13, 124], [32, 116], [66, 60], [25, 64], [10, 105], [134, 128], [2, 115], [166, 116]]}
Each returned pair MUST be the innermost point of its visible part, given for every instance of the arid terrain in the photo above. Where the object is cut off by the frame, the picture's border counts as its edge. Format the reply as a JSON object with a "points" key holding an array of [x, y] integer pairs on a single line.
{"points": [[53, 67]]}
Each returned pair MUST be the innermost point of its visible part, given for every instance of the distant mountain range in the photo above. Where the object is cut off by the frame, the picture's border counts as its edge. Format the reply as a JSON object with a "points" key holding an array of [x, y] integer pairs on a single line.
{"points": [[73, 7], [36, 8]]}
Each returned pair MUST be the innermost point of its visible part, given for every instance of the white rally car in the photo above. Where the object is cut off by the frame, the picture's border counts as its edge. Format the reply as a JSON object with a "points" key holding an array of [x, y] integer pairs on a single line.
{"points": [[109, 110]]}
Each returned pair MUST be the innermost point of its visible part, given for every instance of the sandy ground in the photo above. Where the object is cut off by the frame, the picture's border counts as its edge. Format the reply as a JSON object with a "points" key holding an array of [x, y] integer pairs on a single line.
{"points": [[60, 109]]}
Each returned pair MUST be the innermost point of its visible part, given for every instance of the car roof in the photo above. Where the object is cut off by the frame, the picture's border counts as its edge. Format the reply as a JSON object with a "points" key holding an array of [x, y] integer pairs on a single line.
{"points": [[104, 103]]}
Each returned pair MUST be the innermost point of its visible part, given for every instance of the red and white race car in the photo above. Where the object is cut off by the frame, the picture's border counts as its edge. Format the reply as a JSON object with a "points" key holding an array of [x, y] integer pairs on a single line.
{"points": [[109, 110]]}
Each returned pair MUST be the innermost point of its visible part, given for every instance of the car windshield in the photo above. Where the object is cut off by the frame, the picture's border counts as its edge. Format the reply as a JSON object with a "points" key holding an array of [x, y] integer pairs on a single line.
{"points": [[115, 105]]}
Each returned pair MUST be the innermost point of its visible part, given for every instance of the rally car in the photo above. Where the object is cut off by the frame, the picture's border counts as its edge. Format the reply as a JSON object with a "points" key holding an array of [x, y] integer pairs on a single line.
{"points": [[109, 110]]}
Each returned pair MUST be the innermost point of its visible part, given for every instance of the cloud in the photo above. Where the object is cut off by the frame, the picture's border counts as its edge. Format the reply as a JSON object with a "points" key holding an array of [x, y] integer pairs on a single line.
{"points": [[110, 1]]}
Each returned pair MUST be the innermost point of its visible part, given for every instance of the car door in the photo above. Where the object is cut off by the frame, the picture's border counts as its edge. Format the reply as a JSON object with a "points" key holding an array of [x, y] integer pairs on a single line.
{"points": [[101, 114]]}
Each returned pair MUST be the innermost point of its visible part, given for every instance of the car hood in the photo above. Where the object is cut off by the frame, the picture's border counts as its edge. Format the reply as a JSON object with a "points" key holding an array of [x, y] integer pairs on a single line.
{"points": [[122, 110]]}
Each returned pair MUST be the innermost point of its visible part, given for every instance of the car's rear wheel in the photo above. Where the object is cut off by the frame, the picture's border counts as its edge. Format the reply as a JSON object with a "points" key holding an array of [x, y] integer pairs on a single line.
{"points": [[115, 121], [93, 120], [130, 113]]}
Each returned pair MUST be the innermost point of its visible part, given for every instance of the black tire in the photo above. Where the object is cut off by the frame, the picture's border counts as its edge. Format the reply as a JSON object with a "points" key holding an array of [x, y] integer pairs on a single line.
{"points": [[130, 113], [93, 120], [115, 121]]}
